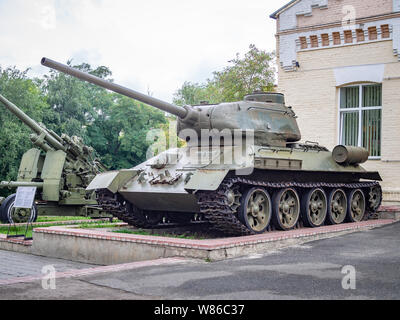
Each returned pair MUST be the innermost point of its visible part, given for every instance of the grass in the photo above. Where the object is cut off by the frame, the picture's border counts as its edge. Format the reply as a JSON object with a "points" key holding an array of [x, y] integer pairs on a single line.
{"points": [[167, 235], [58, 219], [92, 224], [20, 230], [96, 225]]}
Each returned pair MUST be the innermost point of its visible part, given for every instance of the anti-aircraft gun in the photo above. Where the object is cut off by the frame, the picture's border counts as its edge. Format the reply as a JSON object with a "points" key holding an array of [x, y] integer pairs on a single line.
{"points": [[244, 186], [60, 168]]}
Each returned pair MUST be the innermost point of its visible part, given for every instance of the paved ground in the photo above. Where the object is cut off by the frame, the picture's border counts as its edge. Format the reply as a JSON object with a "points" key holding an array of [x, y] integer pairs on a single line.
{"points": [[308, 271], [14, 264]]}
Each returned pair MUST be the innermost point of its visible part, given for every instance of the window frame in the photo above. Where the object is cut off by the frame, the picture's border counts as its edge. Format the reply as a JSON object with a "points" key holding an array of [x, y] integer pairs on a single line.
{"points": [[359, 109]]}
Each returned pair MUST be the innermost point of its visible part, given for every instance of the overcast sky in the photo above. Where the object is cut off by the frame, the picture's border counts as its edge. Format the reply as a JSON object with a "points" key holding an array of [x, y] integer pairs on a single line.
{"points": [[148, 44]]}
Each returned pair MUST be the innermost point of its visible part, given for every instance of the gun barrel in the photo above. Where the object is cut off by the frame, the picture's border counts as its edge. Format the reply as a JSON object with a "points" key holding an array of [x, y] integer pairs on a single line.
{"points": [[16, 184], [21, 115], [165, 106], [32, 124]]}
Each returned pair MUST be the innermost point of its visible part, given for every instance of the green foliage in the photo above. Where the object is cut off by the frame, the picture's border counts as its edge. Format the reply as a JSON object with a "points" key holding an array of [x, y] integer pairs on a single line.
{"points": [[76, 103], [114, 125], [14, 136], [191, 94], [119, 132], [253, 72]]}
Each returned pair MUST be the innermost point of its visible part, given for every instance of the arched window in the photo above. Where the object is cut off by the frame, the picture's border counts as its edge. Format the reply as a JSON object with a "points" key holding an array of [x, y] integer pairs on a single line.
{"points": [[361, 117]]}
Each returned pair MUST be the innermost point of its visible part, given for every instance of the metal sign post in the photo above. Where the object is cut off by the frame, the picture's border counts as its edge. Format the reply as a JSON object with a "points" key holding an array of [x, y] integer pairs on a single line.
{"points": [[24, 200]]}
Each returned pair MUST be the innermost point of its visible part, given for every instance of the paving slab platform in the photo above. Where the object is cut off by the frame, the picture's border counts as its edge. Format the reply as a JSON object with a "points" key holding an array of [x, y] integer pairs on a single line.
{"points": [[15, 244], [19, 244], [107, 248], [75, 273], [389, 212]]}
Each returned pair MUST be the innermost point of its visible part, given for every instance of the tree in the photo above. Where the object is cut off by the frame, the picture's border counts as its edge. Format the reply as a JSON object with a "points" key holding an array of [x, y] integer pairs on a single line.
{"points": [[119, 133], [14, 137], [75, 102], [253, 72], [190, 94]]}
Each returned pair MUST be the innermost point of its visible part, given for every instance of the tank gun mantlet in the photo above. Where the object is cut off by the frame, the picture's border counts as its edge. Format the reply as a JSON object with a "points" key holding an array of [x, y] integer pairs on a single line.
{"points": [[192, 115]]}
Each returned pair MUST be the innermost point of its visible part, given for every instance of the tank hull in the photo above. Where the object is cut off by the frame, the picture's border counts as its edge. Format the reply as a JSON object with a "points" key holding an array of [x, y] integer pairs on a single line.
{"points": [[169, 182]]}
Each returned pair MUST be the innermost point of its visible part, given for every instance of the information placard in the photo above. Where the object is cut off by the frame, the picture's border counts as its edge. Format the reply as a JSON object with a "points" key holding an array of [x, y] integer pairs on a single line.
{"points": [[25, 197]]}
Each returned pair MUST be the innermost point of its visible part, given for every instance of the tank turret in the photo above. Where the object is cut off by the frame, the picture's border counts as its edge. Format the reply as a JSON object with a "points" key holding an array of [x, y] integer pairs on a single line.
{"points": [[265, 114]]}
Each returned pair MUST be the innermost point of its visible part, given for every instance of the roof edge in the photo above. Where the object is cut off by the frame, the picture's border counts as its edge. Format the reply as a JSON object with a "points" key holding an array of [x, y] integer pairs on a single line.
{"points": [[276, 13]]}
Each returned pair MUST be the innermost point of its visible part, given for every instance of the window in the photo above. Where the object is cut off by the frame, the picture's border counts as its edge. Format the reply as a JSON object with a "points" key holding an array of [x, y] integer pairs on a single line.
{"points": [[348, 36], [372, 33], [385, 31], [336, 38], [361, 117], [325, 39], [303, 43], [314, 41], [360, 35]]}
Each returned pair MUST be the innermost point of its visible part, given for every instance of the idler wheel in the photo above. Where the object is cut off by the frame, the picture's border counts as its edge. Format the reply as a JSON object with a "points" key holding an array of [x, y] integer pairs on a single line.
{"points": [[356, 206], [375, 198], [286, 209], [255, 210], [314, 208], [337, 206]]}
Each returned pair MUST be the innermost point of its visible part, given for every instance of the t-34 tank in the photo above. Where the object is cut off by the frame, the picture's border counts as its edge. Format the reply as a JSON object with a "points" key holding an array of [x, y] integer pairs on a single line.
{"points": [[243, 170]]}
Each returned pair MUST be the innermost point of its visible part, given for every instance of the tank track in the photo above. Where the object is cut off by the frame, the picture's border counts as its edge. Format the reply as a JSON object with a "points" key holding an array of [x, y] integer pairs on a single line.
{"points": [[116, 205], [214, 205]]}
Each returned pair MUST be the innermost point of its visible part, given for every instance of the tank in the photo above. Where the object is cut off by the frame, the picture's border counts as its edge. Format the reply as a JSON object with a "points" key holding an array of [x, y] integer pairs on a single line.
{"points": [[243, 171], [60, 168]]}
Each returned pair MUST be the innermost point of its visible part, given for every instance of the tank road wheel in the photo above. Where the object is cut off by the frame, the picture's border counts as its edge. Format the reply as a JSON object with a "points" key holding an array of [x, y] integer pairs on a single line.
{"points": [[233, 197], [255, 210], [337, 206], [8, 213], [314, 208], [375, 198], [286, 206], [356, 206]]}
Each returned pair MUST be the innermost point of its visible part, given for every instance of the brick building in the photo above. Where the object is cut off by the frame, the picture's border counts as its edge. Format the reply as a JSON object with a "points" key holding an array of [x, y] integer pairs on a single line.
{"points": [[339, 67]]}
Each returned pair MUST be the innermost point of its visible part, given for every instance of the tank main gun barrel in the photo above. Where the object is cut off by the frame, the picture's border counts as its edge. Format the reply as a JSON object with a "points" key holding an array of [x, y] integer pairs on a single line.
{"points": [[180, 112], [49, 137]]}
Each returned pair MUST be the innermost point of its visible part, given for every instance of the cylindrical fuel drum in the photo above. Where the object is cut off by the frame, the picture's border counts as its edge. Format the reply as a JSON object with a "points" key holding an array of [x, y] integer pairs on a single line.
{"points": [[349, 155]]}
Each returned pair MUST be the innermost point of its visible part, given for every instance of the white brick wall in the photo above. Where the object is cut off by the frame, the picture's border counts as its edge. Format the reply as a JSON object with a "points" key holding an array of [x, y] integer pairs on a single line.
{"points": [[313, 93]]}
